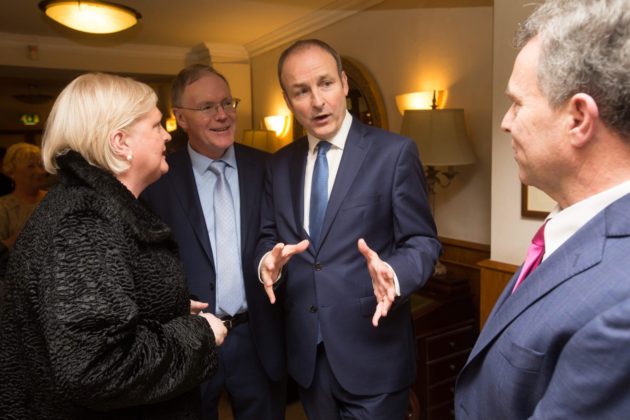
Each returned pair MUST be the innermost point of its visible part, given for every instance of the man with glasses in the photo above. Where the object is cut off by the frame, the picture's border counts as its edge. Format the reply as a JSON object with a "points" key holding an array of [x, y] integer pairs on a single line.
{"points": [[211, 199]]}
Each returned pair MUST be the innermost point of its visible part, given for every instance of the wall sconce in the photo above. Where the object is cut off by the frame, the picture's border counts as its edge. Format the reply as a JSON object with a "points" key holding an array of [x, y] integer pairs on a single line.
{"points": [[420, 100], [260, 139], [96, 17], [277, 123], [440, 135], [171, 124]]}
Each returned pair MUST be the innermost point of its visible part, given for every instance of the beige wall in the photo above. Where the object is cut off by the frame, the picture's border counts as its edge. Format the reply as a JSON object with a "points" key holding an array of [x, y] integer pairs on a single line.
{"points": [[419, 49], [511, 233]]}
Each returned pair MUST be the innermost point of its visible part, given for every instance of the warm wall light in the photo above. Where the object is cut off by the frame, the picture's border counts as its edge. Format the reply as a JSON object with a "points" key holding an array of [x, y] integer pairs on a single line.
{"points": [[430, 99], [97, 17], [30, 119], [277, 123], [260, 139], [171, 124]]}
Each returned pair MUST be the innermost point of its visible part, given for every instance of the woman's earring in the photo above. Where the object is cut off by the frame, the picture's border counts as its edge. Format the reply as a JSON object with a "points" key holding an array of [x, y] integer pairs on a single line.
{"points": [[129, 157]]}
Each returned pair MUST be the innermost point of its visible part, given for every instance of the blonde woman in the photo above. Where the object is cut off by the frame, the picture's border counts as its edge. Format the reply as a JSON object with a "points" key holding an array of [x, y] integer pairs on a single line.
{"points": [[97, 322], [23, 164]]}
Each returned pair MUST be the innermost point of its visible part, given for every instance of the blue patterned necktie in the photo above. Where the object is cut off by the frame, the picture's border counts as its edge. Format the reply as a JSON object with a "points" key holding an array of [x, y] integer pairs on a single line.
{"points": [[319, 193], [230, 295]]}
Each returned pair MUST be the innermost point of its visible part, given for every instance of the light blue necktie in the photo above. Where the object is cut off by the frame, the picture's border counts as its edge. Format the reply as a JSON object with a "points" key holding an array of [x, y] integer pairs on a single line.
{"points": [[319, 193], [230, 295]]}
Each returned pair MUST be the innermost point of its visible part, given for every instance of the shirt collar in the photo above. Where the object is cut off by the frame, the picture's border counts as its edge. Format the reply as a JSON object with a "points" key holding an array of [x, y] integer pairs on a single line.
{"points": [[338, 140], [563, 223], [200, 162]]}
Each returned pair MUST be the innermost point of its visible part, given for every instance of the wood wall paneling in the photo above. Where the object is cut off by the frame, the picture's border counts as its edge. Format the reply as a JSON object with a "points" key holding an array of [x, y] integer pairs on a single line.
{"points": [[494, 276]]}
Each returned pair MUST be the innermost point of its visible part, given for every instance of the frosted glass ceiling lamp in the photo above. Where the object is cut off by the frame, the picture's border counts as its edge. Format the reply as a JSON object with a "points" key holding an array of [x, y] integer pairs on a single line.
{"points": [[96, 17]]}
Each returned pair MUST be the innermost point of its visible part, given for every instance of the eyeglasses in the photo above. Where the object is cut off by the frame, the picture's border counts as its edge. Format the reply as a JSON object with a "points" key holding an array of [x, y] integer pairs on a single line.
{"points": [[210, 109]]}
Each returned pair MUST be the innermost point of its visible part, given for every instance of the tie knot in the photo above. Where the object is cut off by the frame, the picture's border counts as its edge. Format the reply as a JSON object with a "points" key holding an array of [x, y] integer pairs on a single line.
{"points": [[217, 167], [322, 147], [539, 237]]}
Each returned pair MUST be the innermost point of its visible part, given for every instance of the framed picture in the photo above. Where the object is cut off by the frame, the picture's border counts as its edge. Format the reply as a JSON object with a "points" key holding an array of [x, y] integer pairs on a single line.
{"points": [[535, 203]]}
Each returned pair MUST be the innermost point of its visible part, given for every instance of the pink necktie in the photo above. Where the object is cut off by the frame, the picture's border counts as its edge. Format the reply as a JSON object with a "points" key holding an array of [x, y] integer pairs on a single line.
{"points": [[534, 255]]}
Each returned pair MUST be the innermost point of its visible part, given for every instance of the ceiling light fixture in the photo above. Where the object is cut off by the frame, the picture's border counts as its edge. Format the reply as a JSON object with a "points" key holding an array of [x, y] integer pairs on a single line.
{"points": [[96, 17]]}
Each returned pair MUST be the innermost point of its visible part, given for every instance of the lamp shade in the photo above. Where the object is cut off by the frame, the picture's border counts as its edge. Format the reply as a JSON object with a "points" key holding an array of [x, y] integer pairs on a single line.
{"points": [[259, 139], [440, 135], [97, 17]]}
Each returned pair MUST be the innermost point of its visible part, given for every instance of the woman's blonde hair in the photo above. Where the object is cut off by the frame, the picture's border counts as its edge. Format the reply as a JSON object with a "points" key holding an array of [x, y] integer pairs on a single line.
{"points": [[18, 152], [85, 114]]}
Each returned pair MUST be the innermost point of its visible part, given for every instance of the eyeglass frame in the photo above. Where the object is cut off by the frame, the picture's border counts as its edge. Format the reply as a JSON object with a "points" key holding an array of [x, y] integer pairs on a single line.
{"points": [[211, 109]]}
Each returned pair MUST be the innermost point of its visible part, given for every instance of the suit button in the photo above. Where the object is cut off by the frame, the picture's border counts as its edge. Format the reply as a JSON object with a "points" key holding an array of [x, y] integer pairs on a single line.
{"points": [[312, 309], [212, 286], [317, 266]]}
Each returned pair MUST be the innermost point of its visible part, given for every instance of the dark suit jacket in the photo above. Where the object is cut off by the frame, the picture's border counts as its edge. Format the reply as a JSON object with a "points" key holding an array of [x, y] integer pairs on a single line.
{"points": [[379, 195], [559, 347], [175, 199]]}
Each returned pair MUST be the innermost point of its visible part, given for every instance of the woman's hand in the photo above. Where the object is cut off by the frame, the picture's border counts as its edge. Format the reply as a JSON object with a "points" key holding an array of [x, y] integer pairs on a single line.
{"points": [[219, 330], [196, 307]]}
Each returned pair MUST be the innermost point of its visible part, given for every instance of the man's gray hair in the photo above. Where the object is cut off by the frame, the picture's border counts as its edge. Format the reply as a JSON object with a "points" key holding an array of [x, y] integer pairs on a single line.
{"points": [[585, 48]]}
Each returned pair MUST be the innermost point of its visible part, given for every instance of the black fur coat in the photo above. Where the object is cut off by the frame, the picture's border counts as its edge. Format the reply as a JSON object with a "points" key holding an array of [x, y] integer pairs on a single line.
{"points": [[95, 323]]}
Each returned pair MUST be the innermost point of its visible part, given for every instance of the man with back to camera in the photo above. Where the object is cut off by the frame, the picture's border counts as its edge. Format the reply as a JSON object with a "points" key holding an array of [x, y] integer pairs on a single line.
{"points": [[556, 343], [211, 200], [346, 222]]}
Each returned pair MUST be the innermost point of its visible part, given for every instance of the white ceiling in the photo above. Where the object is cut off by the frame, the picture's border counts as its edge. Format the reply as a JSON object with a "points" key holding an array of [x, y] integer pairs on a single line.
{"points": [[250, 26], [185, 23]]}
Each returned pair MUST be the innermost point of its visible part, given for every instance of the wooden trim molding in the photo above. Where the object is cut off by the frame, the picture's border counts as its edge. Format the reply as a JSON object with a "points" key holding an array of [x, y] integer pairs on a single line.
{"points": [[494, 276], [461, 259]]}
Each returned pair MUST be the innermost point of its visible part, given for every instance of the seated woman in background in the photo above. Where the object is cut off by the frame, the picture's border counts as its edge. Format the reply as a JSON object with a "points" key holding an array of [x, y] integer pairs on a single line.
{"points": [[23, 164], [97, 322]]}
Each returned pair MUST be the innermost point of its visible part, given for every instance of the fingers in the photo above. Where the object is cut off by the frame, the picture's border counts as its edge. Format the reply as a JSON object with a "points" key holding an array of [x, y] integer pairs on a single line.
{"points": [[299, 247], [196, 307], [382, 308], [274, 261], [270, 293], [377, 315], [289, 251], [364, 249]]}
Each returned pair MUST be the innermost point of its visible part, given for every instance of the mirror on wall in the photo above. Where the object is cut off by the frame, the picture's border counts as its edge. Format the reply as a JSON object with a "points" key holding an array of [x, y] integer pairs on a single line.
{"points": [[364, 100]]}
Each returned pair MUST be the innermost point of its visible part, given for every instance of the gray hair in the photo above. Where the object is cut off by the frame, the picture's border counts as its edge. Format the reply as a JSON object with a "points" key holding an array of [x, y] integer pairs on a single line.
{"points": [[585, 48], [188, 76]]}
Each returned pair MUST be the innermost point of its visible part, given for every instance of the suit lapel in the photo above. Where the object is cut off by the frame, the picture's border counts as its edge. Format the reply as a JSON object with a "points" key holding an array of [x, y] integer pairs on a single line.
{"points": [[297, 168], [582, 251], [354, 153], [246, 197], [184, 185]]}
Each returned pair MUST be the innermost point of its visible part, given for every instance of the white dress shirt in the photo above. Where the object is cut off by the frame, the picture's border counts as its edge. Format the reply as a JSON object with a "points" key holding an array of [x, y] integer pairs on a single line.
{"points": [[563, 223], [334, 158]]}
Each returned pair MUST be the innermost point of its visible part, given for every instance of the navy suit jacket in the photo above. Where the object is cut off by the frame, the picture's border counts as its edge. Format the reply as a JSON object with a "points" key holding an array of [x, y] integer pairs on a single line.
{"points": [[379, 194], [559, 347], [175, 199]]}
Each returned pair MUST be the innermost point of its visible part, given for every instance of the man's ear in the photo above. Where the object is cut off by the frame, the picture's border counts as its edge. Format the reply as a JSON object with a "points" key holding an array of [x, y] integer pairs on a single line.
{"points": [[118, 142], [344, 83], [181, 121], [583, 113]]}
